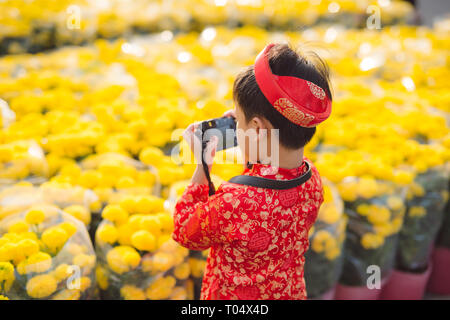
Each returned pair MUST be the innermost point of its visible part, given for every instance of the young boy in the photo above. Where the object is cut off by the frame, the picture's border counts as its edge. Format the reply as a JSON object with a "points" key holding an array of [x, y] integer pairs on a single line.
{"points": [[258, 236]]}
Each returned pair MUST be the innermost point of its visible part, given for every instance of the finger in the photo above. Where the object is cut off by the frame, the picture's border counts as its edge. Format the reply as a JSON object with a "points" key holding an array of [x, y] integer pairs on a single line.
{"points": [[196, 125], [230, 113], [192, 127], [187, 135], [210, 150]]}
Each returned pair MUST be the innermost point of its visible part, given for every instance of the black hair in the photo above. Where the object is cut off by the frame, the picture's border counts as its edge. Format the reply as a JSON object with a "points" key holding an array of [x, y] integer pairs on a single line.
{"points": [[283, 61]]}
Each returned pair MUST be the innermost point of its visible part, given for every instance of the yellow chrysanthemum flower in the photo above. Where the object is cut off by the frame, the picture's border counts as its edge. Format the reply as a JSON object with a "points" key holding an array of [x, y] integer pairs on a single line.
{"points": [[152, 224], [327, 194], [107, 233], [19, 227], [6, 275], [395, 203], [41, 286], [372, 241], [397, 224], [179, 293], [333, 253], [128, 203], [101, 277], [8, 252], [75, 249], [403, 177], [125, 232], [54, 238], [166, 222], [321, 238], [69, 227], [63, 271], [182, 271], [84, 283], [143, 240], [329, 214], [67, 294], [348, 191], [83, 260], [151, 156], [122, 259], [378, 215], [79, 212], [160, 288], [162, 261], [129, 292], [36, 263], [115, 214], [28, 247], [367, 187], [95, 206], [363, 209], [164, 238], [35, 216], [417, 211], [311, 231]]}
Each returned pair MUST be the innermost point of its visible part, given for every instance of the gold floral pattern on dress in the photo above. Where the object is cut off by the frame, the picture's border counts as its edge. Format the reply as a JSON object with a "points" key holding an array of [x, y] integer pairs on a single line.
{"points": [[258, 237]]}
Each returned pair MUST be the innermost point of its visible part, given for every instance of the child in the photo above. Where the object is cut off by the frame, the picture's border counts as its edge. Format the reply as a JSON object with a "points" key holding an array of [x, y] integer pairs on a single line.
{"points": [[258, 236]]}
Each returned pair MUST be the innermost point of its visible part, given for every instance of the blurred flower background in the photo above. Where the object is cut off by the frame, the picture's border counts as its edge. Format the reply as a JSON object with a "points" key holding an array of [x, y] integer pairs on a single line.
{"points": [[92, 94]]}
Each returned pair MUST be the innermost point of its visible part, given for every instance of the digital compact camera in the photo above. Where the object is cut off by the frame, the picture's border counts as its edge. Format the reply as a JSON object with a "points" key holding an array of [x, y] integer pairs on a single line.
{"points": [[223, 128]]}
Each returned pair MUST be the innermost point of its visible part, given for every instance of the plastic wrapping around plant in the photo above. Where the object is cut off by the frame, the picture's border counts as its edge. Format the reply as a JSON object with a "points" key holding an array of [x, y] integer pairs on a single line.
{"points": [[177, 189], [427, 197], [22, 160], [324, 259], [137, 258], [76, 201], [17, 198], [7, 116], [197, 263], [46, 254], [197, 259], [36, 32], [443, 239], [113, 175], [375, 210]]}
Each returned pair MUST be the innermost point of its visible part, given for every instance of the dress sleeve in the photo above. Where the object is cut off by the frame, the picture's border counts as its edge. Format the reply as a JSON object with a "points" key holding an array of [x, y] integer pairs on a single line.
{"points": [[318, 195], [199, 219]]}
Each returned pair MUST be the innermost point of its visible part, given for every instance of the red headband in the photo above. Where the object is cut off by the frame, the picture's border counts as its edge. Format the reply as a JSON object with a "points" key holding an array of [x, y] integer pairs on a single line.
{"points": [[300, 101]]}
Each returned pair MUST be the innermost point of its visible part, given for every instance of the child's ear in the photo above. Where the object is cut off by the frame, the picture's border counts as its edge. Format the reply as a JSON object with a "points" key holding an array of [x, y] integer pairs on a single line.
{"points": [[261, 126], [258, 123]]}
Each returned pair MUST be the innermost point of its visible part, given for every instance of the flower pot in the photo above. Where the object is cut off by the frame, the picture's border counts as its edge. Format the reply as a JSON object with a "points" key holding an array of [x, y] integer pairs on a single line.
{"points": [[329, 295], [406, 285], [344, 292], [439, 282]]}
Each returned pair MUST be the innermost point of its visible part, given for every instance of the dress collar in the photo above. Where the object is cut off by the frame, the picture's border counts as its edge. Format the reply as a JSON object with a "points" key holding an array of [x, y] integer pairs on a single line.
{"points": [[270, 172]]}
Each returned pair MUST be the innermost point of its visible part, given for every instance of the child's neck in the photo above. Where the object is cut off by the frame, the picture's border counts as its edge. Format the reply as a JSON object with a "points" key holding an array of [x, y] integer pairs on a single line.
{"points": [[288, 158]]}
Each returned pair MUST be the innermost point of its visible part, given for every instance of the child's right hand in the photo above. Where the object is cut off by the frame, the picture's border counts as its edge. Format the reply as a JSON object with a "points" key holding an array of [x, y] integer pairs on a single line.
{"points": [[196, 145]]}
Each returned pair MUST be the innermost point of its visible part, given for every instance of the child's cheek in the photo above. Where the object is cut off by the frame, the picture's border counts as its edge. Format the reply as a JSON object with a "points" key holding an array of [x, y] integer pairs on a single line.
{"points": [[240, 135]]}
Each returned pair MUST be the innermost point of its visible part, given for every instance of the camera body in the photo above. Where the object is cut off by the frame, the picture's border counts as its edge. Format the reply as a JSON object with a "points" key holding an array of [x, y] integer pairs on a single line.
{"points": [[224, 128]]}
